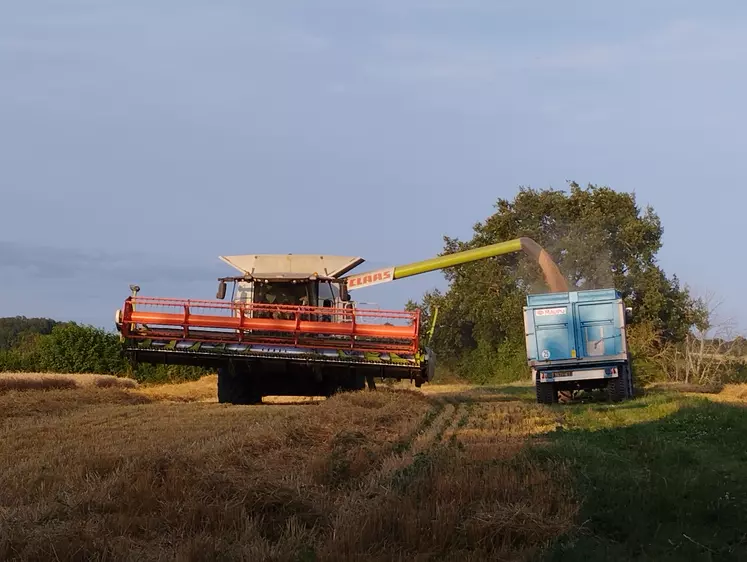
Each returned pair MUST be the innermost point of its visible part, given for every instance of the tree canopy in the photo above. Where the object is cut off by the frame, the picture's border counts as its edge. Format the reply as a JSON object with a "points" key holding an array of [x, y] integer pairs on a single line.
{"points": [[15, 328], [599, 238]]}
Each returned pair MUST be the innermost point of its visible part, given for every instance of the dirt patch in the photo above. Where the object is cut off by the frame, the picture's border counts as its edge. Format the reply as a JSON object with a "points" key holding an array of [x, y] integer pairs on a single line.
{"points": [[205, 389]]}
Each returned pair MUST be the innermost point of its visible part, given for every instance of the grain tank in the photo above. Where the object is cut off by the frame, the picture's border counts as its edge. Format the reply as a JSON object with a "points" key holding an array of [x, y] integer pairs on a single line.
{"points": [[576, 340]]}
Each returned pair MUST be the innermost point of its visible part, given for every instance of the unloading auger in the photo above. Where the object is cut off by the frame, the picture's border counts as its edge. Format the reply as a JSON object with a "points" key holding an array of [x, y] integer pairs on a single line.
{"points": [[554, 279]]}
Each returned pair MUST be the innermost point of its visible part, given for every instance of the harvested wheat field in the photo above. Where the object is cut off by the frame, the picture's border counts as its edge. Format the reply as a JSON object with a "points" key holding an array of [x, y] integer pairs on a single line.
{"points": [[54, 381], [165, 473], [112, 472]]}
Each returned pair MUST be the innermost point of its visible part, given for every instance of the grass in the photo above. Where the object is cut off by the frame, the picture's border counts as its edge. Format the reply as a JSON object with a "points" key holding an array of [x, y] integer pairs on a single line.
{"points": [[448, 472], [662, 478]]}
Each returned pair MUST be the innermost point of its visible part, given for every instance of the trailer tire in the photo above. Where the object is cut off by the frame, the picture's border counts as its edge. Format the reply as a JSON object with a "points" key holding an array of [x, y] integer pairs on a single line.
{"points": [[631, 385], [236, 388], [617, 388], [546, 393]]}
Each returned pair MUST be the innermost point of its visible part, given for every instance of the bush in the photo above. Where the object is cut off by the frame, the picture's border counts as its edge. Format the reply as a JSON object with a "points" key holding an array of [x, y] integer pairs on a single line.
{"points": [[72, 348], [740, 374], [644, 346], [75, 348], [486, 364], [24, 356], [445, 375]]}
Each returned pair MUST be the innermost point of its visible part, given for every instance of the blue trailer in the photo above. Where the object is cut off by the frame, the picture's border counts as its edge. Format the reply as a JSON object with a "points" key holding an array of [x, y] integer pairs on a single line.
{"points": [[576, 341]]}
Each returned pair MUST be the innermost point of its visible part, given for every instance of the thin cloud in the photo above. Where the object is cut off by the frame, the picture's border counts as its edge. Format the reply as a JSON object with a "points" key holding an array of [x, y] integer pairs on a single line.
{"points": [[680, 42], [413, 58], [50, 263]]}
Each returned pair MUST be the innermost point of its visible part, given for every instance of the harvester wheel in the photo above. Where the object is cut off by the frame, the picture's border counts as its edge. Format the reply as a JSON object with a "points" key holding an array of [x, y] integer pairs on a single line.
{"points": [[546, 393], [236, 388], [565, 396], [331, 388], [358, 382]]}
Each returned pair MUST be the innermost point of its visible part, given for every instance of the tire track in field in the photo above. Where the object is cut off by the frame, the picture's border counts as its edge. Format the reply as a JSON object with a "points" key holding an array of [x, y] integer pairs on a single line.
{"points": [[460, 419], [433, 424], [434, 433], [447, 415]]}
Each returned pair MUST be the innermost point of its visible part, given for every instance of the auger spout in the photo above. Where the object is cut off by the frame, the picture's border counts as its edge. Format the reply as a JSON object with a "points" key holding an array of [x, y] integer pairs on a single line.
{"points": [[554, 279]]}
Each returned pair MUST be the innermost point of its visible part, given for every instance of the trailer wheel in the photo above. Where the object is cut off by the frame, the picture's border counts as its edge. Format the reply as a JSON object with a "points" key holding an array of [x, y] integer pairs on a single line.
{"points": [[237, 387], [617, 388], [631, 385], [546, 393]]}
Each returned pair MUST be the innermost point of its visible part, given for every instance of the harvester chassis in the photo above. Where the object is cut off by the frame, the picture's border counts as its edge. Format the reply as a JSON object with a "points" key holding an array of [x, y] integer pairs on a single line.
{"points": [[246, 380], [248, 383]]}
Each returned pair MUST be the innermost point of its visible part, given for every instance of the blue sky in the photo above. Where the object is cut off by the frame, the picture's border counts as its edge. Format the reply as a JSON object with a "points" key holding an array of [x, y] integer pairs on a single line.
{"points": [[139, 140]]}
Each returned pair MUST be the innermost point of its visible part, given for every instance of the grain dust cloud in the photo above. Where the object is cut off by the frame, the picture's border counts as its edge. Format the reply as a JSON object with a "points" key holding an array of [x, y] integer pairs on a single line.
{"points": [[554, 279]]}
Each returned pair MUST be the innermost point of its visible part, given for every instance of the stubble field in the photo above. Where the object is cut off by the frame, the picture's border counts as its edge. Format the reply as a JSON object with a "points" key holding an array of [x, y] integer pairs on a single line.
{"points": [[103, 470]]}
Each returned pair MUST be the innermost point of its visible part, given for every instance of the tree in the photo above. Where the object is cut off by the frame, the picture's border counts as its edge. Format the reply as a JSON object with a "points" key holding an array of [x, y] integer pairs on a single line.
{"points": [[13, 329], [598, 237]]}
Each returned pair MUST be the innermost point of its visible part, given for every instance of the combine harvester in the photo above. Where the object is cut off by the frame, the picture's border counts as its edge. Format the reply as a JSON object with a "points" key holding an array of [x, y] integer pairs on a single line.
{"points": [[291, 328]]}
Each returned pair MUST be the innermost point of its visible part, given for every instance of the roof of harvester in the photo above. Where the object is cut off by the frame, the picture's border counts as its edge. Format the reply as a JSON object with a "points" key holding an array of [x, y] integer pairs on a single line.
{"points": [[292, 266]]}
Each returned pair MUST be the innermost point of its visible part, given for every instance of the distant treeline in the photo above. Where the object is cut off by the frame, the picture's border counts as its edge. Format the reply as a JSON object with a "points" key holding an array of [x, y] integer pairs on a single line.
{"points": [[13, 330], [45, 345], [736, 347]]}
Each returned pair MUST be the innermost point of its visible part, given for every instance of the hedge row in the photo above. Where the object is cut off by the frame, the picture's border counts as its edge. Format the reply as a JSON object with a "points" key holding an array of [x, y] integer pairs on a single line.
{"points": [[73, 348]]}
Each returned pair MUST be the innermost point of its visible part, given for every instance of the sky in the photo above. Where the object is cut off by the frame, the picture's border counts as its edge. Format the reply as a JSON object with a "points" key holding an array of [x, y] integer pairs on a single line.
{"points": [[141, 140]]}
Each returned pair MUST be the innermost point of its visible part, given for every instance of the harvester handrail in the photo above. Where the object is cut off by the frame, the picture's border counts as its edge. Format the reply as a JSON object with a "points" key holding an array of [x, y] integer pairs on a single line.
{"points": [[302, 309], [298, 325]]}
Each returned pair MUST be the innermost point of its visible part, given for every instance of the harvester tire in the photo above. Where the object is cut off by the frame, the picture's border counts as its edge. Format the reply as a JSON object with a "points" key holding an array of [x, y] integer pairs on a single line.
{"points": [[546, 393], [331, 388], [236, 388], [357, 382]]}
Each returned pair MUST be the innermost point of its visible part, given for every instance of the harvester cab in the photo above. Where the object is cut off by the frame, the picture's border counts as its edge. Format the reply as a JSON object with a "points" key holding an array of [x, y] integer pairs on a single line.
{"points": [[290, 280]]}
